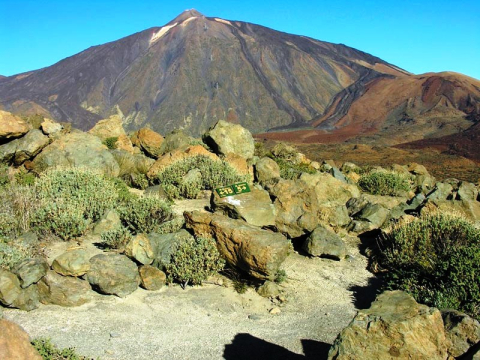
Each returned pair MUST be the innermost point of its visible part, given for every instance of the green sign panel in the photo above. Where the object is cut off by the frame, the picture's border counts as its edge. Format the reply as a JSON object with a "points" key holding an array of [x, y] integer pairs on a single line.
{"points": [[234, 189]]}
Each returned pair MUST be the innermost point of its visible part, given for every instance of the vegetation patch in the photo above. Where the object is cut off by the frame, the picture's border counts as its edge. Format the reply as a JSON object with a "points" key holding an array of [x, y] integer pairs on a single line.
{"points": [[144, 214], [111, 142], [211, 173], [194, 261], [384, 183], [48, 351], [436, 258], [11, 253]]}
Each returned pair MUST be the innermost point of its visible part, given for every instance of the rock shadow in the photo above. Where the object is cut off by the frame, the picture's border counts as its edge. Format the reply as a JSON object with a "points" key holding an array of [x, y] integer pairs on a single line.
{"points": [[365, 295], [246, 346]]}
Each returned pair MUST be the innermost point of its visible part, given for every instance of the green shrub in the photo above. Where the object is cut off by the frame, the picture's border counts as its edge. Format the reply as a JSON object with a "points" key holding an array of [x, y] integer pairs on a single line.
{"points": [[436, 259], [171, 226], [194, 261], [4, 180], [111, 142], [280, 276], [49, 351], [213, 174], [11, 253], [70, 199], [116, 238], [144, 214], [384, 183], [24, 178], [292, 171]]}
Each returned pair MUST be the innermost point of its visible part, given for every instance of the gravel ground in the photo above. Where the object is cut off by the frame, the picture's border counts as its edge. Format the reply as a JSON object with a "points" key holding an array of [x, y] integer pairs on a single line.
{"points": [[212, 321]]}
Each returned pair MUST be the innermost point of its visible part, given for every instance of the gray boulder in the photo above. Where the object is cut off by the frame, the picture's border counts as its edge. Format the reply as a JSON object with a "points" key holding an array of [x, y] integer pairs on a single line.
{"points": [[12, 295], [109, 221], [72, 263], [442, 191], [30, 271], [224, 138], [113, 274], [324, 242], [61, 290], [370, 217], [177, 139], [254, 207], [395, 327], [257, 252], [77, 149], [25, 148], [140, 249]]}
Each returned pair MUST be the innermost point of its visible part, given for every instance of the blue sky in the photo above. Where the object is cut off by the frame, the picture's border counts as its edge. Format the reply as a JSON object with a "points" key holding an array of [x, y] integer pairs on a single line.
{"points": [[419, 36]]}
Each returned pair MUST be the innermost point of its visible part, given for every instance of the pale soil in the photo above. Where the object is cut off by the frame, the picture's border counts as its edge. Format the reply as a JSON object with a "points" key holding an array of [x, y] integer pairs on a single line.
{"points": [[212, 321]]}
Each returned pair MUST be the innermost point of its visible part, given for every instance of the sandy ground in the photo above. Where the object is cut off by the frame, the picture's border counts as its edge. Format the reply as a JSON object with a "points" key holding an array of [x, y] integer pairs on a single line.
{"points": [[214, 321]]}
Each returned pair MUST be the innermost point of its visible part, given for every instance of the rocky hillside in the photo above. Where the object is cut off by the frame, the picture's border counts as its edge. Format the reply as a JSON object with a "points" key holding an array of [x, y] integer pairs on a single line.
{"points": [[194, 71]]}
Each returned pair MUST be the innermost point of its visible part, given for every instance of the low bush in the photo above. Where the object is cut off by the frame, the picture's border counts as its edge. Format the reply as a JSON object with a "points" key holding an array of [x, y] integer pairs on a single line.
{"points": [[18, 205], [144, 214], [71, 199], [11, 253], [4, 180], [292, 171], [384, 183], [48, 351], [436, 258], [116, 238], [111, 142], [213, 174], [194, 261]]}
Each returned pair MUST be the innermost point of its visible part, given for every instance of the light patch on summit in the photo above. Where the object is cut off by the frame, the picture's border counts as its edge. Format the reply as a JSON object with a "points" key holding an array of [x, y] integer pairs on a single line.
{"points": [[188, 20], [161, 32], [223, 21]]}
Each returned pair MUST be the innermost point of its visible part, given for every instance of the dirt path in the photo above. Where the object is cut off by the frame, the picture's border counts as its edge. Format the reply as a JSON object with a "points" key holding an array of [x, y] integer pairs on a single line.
{"points": [[211, 322]]}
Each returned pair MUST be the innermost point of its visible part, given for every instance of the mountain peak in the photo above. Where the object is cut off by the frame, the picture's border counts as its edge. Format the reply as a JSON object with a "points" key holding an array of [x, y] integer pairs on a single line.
{"points": [[187, 14]]}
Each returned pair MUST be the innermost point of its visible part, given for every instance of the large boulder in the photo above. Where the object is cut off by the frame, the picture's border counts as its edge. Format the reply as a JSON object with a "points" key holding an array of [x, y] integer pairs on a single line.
{"points": [[19, 150], [467, 191], [249, 248], [107, 128], [254, 207], [461, 330], [323, 242], [177, 139], [441, 191], [11, 126], [149, 141], [469, 210], [395, 327], [330, 191], [74, 262], [61, 290], [224, 138], [164, 245], [372, 216], [77, 149], [15, 343], [113, 274]]}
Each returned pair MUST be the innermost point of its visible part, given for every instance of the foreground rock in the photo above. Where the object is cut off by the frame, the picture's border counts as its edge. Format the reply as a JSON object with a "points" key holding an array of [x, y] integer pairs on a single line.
{"points": [[226, 138], [107, 128], [11, 126], [395, 327], [254, 207], [113, 274], [15, 343], [461, 330], [164, 245], [249, 248], [74, 262], [324, 242], [64, 290]]}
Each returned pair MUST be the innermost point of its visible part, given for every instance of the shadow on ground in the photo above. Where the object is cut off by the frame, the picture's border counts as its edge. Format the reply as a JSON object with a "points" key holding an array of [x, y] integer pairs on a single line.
{"points": [[246, 346], [365, 295]]}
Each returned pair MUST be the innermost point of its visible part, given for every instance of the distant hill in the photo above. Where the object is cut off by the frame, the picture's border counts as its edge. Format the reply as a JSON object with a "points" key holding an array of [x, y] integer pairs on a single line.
{"points": [[192, 72]]}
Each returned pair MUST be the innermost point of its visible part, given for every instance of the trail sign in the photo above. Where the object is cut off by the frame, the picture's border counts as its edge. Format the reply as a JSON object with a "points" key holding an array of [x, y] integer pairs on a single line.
{"points": [[234, 189]]}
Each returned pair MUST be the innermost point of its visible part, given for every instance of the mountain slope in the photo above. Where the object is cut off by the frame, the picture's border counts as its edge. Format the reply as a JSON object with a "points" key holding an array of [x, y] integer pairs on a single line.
{"points": [[192, 72]]}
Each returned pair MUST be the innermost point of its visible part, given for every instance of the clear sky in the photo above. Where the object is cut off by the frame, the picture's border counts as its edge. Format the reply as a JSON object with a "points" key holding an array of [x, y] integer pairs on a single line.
{"points": [[419, 36]]}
